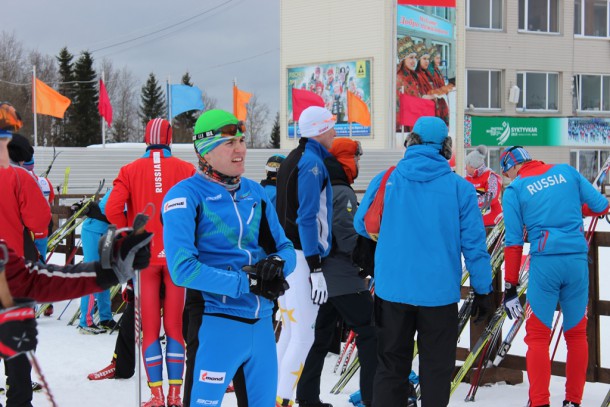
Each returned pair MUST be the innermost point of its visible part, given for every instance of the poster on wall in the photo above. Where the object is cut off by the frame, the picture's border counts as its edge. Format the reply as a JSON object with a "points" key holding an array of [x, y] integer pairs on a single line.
{"points": [[536, 131], [331, 82], [425, 61]]}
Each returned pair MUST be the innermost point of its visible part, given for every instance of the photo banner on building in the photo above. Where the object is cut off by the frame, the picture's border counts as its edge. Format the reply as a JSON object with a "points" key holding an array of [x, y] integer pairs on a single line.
{"points": [[425, 63], [536, 131], [331, 81]]}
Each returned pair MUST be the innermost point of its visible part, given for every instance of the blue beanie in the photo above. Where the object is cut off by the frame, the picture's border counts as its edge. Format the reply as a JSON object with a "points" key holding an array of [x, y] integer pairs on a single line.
{"points": [[432, 130], [512, 156]]}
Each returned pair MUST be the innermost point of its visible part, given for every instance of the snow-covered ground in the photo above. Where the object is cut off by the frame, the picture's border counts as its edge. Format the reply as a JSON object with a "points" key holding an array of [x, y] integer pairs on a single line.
{"points": [[66, 357]]}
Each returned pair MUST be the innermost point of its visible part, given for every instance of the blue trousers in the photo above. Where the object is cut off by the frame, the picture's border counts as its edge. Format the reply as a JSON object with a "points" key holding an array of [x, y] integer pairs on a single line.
{"points": [[90, 241], [226, 344]]}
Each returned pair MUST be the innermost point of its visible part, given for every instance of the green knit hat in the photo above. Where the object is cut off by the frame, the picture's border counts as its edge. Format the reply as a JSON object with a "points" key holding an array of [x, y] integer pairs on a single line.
{"points": [[214, 127]]}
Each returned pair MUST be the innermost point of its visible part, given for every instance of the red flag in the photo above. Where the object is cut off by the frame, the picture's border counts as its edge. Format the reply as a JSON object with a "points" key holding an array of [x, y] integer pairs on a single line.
{"points": [[103, 105], [412, 108], [440, 3], [357, 110], [49, 101], [302, 99]]}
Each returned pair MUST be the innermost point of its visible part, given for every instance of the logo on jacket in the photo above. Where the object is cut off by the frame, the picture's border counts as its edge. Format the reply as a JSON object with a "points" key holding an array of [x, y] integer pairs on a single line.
{"points": [[315, 171], [207, 376], [176, 203], [213, 198], [546, 182]]}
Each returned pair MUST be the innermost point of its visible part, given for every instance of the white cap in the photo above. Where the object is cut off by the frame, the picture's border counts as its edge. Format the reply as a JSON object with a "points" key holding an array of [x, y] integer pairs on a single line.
{"points": [[315, 120]]}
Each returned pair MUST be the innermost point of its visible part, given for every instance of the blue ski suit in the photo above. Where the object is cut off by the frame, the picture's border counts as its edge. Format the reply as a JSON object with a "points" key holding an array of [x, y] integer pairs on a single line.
{"points": [[209, 235]]}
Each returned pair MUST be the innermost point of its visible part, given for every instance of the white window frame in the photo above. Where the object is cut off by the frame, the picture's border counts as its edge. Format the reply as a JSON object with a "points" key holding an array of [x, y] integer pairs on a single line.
{"points": [[500, 81], [602, 97], [582, 22], [548, 18], [600, 161], [491, 12], [523, 95]]}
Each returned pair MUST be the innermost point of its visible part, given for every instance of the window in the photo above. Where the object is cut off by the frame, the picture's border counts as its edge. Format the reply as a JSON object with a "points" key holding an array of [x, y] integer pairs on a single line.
{"points": [[484, 14], [589, 162], [593, 92], [483, 89], [539, 15], [538, 91], [593, 16]]}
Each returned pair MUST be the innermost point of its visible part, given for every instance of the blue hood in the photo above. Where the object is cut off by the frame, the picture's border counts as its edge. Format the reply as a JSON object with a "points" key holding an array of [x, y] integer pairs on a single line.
{"points": [[423, 163]]}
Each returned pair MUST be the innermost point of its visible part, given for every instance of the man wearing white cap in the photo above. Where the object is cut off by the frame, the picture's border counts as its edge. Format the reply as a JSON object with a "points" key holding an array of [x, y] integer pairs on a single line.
{"points": [[304, 207]]}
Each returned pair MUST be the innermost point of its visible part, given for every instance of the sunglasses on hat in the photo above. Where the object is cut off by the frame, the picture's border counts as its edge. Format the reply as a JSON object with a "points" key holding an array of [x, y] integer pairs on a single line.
{"points": [[227, 130]]}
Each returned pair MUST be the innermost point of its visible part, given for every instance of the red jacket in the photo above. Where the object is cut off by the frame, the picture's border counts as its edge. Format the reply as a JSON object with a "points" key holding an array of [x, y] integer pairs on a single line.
{"points": [[22, 204], [145, 180], [488, 182], [48, 283]]}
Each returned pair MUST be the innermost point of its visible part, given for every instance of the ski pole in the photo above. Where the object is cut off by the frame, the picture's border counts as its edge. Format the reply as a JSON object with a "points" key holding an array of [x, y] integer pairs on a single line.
{"points": [[65, 308], [43, 380]]}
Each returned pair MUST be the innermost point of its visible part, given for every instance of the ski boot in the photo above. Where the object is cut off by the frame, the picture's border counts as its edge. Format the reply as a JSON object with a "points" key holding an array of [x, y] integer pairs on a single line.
{"points": [[36, 386], [567, 403], [106, 373], [173, 397], [49, 311], [108, 325], [91, 330], [157, 399], [318, 403], [356, 399]]}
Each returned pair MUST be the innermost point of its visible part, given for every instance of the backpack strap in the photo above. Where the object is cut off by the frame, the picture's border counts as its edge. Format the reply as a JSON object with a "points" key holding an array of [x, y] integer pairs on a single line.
{"points": [[372, 218]]}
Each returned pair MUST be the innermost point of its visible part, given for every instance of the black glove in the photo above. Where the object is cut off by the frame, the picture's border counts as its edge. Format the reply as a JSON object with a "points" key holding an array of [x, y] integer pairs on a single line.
{"points": [[363, 256], [77, 206], [270, 289], [481, 307], [124, 253], [270, 267], [94, 212], [18, 328]]}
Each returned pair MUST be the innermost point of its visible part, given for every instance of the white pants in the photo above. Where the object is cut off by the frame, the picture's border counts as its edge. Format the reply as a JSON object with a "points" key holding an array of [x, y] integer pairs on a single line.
{"points": [[298, 328]]}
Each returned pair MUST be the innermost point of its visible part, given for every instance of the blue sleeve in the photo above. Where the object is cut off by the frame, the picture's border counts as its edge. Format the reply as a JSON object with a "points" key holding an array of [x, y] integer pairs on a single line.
{"points": [[472, 236], [590, 195], [179, 231], [513, 220], [310, 181], [366, 202], [102, 203], [285, 249]]}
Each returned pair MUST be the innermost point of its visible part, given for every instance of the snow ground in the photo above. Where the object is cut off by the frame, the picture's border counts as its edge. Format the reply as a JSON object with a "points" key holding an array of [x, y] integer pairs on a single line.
{"points": [[66, 357]]}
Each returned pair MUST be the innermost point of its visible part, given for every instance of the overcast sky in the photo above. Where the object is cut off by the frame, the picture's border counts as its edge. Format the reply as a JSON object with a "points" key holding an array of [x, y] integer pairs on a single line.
{"points": [[214, 40]]}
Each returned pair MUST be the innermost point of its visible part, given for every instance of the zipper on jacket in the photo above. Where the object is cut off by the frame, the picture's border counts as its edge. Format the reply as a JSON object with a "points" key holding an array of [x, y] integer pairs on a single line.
{"points": [[251, 213]]}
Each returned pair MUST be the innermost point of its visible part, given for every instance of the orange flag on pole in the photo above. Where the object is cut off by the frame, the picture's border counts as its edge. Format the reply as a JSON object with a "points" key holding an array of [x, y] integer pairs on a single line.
{"points": [[49, 101], [357, 110], [240, 99]]}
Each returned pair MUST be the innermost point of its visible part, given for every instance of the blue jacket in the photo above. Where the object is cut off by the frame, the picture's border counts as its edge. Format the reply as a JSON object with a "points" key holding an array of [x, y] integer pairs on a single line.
{"points": [[430, 218], [533, 199], [304, 200], [210, 234]]}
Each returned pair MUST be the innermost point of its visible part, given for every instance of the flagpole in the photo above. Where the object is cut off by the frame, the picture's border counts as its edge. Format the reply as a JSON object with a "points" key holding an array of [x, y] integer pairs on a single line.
{"points": [[34, 105], [169, 100], [402, 125], [102, 119]]}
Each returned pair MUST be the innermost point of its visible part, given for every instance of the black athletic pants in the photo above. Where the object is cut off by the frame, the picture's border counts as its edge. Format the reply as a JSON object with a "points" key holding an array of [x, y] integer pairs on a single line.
{"points": [[357, 312], [436, 329], [191, 322], [125, 347], [18, 379]]}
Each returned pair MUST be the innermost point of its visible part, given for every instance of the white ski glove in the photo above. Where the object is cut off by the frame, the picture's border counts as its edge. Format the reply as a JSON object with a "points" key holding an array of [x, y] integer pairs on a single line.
{"points": [[511, 302], [319, 292]]}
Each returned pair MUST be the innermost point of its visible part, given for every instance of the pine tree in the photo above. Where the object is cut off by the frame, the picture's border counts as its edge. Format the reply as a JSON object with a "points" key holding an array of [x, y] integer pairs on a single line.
{"points": [[183, 123], [153, 100], [86, 120], [61, 129], [275, 132]]}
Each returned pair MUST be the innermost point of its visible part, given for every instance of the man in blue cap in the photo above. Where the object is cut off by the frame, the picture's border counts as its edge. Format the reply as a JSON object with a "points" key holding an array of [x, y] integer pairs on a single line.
{"points": [[559, 270], [430, 219]]}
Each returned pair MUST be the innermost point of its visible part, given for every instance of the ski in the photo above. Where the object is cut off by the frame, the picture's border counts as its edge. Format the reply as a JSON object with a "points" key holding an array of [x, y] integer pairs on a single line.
{"points": [[48, 170], [606, 402], [346, 376]]}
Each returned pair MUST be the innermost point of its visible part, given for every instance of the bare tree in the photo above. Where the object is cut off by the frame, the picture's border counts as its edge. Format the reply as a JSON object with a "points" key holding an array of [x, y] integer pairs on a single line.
{"points": [[257, 135], [15, 85], [124, 100], [209, 102]]}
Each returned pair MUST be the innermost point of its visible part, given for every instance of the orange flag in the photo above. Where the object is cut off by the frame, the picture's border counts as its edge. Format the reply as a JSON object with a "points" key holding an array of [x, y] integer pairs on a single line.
{"points": [[240, 99], [357, 110], [49, 101]]}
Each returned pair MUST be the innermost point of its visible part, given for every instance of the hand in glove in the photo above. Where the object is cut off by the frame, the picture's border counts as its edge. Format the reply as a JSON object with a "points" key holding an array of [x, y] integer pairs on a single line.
{"points": [[511, 302], [18, 328], [319, 292], [270, 267], [270, 289], [77, 206], [481, 307], [125, 252], [94, 212]]}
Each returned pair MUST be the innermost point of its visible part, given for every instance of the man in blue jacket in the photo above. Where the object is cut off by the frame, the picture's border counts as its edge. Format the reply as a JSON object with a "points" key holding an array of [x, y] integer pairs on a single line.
{"points": [[430, 219], [559, 271]]}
